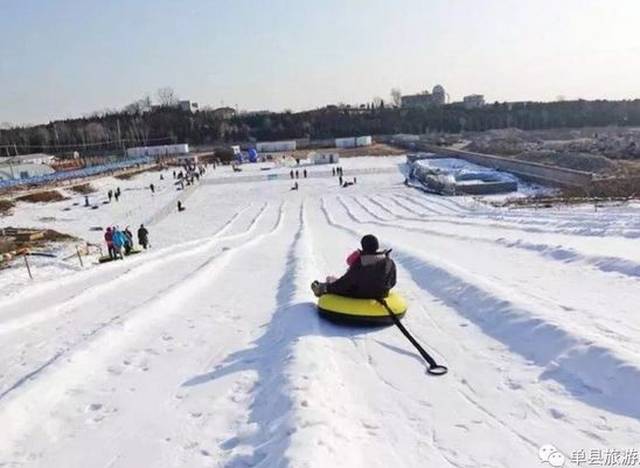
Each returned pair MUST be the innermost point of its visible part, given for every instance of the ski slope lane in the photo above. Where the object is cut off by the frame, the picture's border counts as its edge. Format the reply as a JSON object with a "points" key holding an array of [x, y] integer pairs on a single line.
{"points": [[208, 349], [498, 371], [117, 373]]}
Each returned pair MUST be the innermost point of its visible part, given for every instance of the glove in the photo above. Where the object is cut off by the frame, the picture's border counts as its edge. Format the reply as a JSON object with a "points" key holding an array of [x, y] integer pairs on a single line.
{"points": [[318, 288]]}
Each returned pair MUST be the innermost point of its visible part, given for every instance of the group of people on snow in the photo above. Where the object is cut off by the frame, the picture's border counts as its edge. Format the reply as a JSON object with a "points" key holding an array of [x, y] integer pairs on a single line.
{"points": [[296, 174], [120, 242], [114, 194]]}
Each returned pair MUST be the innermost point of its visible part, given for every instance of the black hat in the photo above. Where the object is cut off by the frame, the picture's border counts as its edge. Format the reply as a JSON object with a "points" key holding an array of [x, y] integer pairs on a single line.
{"points": [[369, 244]]}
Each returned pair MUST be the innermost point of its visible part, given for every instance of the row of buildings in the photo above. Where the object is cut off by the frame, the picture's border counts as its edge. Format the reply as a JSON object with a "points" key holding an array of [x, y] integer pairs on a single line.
{"points": [[26, 166], [438, 97]]}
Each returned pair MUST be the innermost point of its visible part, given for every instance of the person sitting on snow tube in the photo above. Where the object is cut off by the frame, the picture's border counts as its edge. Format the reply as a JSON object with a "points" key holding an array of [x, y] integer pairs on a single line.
{"points": [[371, 274]]}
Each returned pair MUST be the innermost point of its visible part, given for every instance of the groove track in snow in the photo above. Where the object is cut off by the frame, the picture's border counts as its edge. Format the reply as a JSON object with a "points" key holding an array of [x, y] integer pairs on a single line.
{"points": [[209, 352]]}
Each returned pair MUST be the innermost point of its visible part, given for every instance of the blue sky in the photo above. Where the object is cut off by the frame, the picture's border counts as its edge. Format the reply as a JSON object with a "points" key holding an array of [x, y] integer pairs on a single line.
{"points": [[63, 58]]}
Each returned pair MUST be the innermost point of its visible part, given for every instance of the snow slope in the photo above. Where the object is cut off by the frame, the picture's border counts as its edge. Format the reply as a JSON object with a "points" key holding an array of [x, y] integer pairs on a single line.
{"points": [[207, 350]]}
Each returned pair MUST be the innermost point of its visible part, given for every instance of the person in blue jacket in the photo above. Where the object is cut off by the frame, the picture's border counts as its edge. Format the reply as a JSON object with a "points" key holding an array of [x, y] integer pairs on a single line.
{"points": [[119, 240]]}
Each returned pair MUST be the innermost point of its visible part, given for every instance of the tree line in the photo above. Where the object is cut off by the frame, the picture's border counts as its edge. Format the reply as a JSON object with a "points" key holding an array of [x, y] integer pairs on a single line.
{"points": [[142, 124]]}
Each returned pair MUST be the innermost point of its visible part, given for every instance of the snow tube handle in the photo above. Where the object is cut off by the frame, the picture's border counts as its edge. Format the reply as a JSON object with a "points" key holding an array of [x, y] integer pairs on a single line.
{"points": [[434, 368]]}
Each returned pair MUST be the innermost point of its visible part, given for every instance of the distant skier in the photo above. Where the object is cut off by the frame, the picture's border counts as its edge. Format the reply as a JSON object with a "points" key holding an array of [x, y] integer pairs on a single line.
{"points": [[333, 171], [110, 195], [304, 173], [143, 236], [295, 186], [86, 200], [340, 180], [180, 206], [297, 174], [371, 275], [291, 173], [153, 188]]}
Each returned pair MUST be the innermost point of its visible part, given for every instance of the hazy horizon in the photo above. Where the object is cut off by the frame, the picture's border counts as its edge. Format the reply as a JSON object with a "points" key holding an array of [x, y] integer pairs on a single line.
{"points": [[72, 57]]}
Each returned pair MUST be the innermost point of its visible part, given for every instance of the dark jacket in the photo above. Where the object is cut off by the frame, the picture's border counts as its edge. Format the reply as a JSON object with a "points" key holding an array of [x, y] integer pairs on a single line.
{"points": [[143, 235], [371, 277]]}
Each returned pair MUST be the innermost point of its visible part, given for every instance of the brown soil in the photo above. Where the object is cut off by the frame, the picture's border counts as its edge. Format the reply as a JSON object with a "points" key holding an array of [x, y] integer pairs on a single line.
{"points": [[377, 149], [578, 161], [12, 239], [6, 206], [131, 174], [42, 197], [84, 189]]}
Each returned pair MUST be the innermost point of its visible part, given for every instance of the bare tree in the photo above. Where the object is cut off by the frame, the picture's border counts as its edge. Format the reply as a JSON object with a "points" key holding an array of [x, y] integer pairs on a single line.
{"points": [[95, 132], [396, 97], [139, 106], [378, 102], [167, 96]]}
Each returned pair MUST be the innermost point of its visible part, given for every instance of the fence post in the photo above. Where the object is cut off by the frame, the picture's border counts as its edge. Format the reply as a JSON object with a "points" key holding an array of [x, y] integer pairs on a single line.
{"points": [[26, 262], [79, 257]]}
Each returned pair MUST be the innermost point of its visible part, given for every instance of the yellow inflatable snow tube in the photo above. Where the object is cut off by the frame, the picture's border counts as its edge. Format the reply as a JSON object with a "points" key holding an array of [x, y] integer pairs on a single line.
{"points": [[342, 309]]}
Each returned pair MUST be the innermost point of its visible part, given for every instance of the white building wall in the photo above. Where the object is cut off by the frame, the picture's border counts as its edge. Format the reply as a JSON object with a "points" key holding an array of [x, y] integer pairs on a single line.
{"points": [[160, 150], [346, 142], [276, 146], [364, 141], [324, 158], [24, 171]]}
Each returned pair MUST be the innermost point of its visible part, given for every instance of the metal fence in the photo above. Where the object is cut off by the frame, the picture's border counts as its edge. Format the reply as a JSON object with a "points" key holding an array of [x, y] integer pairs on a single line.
{"points": [[74, 174]]}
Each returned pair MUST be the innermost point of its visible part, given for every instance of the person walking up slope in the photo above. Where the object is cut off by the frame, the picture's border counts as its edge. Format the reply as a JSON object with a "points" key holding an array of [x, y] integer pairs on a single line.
{"points": [[143, 236]]}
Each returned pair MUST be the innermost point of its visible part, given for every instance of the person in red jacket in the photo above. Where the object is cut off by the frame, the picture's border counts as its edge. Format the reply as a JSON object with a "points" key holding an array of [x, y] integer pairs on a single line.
{"points": [[108, 237]]}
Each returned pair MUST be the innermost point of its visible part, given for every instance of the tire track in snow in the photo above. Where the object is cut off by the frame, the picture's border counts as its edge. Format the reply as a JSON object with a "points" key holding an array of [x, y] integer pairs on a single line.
{"points": [[84, 356], [521, 214], [409, 410], [560, 253], [113, 319], [272, 405], [595, 374], [521, 432], [624, 333], [562, 223], [605, 264], [116, 268], [108, 284]]}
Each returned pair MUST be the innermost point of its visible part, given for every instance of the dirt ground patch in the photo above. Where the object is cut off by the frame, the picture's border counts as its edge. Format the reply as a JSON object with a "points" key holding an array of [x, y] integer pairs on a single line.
{"points": [[43, 197], [131, 174], [83, 189], [578, 161], [6, 206], [378, 149], [19, 239]]}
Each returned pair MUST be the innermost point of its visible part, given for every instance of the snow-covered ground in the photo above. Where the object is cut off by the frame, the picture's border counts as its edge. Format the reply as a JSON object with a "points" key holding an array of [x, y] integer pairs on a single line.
{"points": [[207, 350]]}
